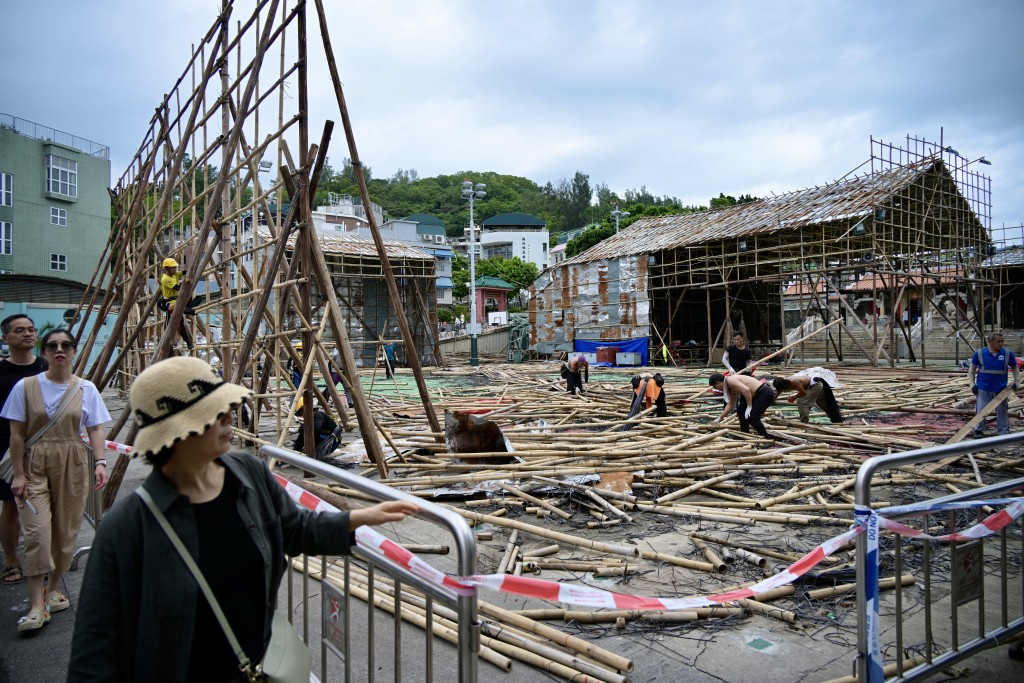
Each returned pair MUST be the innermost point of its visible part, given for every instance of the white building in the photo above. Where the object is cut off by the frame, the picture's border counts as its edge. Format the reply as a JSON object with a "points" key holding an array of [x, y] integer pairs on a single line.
{"points": [[343, 214], [519, 235]]}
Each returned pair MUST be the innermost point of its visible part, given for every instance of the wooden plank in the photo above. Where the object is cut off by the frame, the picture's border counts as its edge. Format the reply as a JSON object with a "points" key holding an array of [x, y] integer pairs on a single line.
{"points": [[971, 424]]}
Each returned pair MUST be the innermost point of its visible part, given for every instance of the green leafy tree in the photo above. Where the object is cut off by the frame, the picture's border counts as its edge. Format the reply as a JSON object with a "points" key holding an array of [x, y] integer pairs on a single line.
{"points": [[460, 276], [589, 238], [513, 270]]}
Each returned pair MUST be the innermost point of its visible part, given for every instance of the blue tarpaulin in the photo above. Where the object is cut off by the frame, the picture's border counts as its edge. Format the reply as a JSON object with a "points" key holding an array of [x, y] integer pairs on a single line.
{"points": [[638, 345]]}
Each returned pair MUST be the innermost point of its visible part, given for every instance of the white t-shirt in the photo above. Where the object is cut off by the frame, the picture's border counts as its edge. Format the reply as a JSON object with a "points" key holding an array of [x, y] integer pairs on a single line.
{"points": [[93, 411]]}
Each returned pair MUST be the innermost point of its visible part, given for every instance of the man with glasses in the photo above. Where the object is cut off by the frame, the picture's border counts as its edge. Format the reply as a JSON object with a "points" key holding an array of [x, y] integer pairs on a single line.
{"points": [[19, 333], [988, 378]]}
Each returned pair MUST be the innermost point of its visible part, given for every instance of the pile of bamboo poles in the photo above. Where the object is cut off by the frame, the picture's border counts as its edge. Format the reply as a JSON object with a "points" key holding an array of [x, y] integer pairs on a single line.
{"points": [[727, 499]]}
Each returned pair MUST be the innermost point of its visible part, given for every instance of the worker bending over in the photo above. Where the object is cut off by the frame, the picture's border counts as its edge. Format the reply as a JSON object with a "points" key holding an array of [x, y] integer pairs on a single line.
{"points": [[647, 389], [748, 396], [575, 374], [813, 386]]}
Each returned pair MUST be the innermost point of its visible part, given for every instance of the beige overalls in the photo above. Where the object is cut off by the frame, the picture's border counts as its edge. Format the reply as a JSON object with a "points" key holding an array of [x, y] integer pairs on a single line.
{"points": [[58, 484]]}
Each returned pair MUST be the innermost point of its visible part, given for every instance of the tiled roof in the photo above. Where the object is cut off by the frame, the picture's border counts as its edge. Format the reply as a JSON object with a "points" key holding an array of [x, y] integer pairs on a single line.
{"points": [[1010, 256], [503, 219], [493, 282]]}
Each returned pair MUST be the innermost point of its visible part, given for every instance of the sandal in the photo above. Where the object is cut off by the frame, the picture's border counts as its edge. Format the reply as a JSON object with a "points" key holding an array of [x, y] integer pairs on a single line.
{"points": [[57, 602], [12, 575], [34, 620]]}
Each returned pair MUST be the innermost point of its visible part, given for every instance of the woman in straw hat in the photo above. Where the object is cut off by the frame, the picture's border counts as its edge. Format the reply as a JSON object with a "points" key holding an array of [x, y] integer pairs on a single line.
{"points": [[53, 480], [142, 616]]}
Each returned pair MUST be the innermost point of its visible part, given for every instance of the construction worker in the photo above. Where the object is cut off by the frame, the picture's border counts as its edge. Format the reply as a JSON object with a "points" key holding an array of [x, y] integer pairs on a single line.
{"points": [[575, 374], [988, 378], [326, 434], [648, 388], [170, 285], [748, 396], [738, 356], [813, 386], [389, 359]]}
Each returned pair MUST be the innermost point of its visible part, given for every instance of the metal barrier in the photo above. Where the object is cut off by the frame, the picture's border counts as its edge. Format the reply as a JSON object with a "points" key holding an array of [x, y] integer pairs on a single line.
{"points": [[868, 634], [464, 606]]}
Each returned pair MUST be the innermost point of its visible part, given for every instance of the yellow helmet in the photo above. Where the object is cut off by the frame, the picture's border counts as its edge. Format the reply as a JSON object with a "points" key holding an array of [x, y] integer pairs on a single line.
{"points": [[170, 263]]}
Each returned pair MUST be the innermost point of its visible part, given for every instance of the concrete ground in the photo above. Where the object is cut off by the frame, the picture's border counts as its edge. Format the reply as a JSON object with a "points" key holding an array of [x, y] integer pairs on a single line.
{"points": [[821, 645]]}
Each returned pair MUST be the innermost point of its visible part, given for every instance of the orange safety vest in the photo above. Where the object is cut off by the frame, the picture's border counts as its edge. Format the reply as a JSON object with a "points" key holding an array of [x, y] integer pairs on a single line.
{"points": [[650, 392]]}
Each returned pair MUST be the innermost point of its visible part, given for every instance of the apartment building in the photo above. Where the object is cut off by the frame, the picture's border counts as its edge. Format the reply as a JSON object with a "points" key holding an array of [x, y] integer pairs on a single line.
{"points": [[54, 211]]}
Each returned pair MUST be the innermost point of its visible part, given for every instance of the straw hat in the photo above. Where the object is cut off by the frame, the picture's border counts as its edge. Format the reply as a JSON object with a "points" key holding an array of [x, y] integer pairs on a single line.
{"points": [[177, 398]]}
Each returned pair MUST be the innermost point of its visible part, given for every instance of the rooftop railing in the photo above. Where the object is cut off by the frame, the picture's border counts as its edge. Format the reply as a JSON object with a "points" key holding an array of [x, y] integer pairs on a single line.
{"points": [[37, 131]]}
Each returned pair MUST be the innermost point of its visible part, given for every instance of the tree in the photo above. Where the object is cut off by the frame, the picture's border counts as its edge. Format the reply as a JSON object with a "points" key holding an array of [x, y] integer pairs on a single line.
{"points": [[460, 276], [589, 238], [513, 270]]}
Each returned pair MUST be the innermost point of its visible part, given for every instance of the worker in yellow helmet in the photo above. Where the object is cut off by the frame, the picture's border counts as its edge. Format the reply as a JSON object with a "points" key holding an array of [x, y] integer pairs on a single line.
{"points": [[170, 285]]}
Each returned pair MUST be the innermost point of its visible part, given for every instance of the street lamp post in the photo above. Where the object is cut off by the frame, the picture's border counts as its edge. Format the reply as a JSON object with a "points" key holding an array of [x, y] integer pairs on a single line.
{"points": [[616, 214], [472, 192]]}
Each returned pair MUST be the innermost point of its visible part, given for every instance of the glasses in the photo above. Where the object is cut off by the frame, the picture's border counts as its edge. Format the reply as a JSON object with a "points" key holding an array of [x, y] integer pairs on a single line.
{"points": [[23, 330], [63, 346]]}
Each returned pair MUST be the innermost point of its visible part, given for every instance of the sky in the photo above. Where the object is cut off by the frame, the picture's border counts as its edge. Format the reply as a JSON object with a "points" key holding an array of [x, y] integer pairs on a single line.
{"points": [[684, 97]]}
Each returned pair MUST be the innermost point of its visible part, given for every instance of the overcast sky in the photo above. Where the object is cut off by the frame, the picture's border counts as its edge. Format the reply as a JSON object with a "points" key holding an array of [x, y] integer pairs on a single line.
{"points": [[685, 97]]}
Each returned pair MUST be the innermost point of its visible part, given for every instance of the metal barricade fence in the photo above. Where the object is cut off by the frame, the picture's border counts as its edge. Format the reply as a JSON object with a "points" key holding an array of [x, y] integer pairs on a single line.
{"points": [[464, 606], [1010, 618]]}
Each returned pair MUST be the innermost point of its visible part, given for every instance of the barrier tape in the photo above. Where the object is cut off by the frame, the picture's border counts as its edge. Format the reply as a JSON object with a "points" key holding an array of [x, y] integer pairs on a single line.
{"points": [[588, 596], [112, 445]]}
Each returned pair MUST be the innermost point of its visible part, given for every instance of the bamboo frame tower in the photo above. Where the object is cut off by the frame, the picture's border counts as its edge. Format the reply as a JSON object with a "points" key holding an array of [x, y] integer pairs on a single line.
{"points": [[269, 287]]}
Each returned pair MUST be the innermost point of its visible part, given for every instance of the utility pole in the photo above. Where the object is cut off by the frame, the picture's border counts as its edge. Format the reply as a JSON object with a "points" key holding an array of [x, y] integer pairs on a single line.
{"points": [[472, 192]]}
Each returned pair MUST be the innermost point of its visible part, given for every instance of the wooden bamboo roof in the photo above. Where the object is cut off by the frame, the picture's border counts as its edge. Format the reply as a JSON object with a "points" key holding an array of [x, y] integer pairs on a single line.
{"points": [[355, 245], [845, 200]]}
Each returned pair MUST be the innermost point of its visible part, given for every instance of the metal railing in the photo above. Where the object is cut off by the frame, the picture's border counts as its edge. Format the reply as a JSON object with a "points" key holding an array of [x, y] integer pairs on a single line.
{"points": [[464, 606], [38, 131], [868, 632]]}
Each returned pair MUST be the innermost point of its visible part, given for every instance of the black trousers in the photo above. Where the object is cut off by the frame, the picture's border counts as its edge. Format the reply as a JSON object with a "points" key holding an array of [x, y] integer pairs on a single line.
{"points": [[573, 380], [763, 398]]}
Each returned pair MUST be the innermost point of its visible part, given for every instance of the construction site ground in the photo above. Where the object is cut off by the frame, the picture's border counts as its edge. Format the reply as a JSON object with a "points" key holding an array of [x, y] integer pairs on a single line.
{"points": [[558, 436]]}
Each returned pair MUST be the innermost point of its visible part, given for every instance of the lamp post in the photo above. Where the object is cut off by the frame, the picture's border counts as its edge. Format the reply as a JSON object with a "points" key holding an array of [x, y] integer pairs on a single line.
{"points": [[616, 214], [472, 192]]}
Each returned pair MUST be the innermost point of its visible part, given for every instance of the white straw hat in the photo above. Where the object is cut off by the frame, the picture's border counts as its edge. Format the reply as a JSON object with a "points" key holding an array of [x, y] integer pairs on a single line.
{"points": [[177, 398]]}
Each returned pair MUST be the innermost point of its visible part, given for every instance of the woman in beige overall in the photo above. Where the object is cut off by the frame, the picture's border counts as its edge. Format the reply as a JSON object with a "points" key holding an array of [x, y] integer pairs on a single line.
{"points": [[54, 481]]}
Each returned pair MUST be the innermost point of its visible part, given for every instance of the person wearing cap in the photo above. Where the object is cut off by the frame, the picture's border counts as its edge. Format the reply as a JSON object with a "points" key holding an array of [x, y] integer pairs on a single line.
{"points": [[142, 616], [575, 374], [53, 479], [170, 285]]}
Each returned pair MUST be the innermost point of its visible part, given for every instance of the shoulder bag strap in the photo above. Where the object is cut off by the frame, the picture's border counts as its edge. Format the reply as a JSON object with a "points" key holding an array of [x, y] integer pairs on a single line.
{"points": [[69, 394], [243, 661]]}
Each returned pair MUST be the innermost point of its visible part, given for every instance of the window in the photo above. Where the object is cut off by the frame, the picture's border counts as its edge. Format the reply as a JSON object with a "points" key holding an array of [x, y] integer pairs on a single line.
{"points": [[6, 238], [61, 175], [58, 216], [6, 189], [58, 262]]}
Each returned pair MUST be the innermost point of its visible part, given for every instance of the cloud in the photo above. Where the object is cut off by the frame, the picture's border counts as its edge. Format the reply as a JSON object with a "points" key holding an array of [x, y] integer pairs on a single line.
{"points": [[684, 97]]}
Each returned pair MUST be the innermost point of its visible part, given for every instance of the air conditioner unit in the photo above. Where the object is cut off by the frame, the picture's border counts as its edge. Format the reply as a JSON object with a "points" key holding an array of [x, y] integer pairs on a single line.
{"points": [[439, 239]]}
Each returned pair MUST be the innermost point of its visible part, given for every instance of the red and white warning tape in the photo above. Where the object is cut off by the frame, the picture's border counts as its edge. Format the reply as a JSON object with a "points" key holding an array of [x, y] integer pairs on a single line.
{"points": [[588, 596], [112, 445]]}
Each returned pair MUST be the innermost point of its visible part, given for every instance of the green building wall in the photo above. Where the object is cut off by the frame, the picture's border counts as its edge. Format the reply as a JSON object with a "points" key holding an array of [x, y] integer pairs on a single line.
{"points": [[35, 238]]}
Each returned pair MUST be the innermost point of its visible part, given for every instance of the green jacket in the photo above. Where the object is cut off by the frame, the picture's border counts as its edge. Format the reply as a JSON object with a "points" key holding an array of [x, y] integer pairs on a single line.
{"points": [[136, 610]]}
